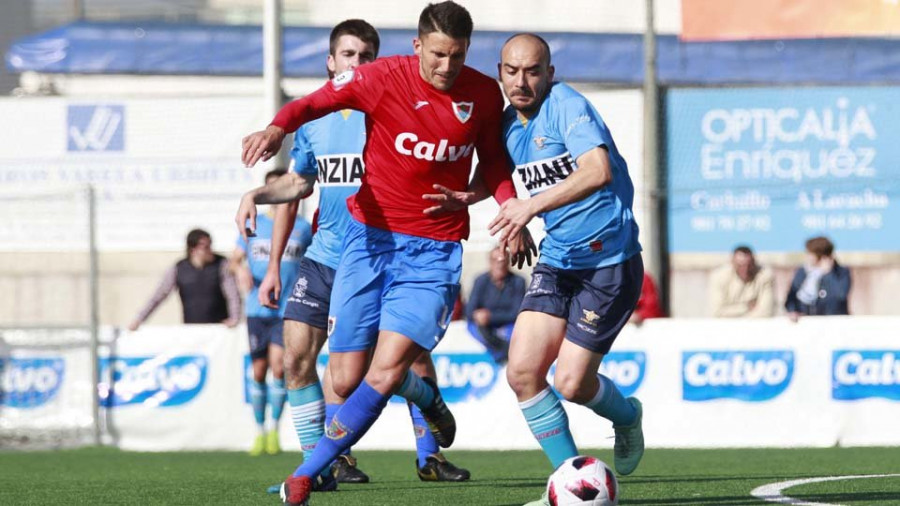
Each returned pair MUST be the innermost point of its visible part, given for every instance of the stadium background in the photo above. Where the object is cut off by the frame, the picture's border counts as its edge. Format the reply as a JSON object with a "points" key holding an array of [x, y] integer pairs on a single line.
{"points": [[140, 102]]}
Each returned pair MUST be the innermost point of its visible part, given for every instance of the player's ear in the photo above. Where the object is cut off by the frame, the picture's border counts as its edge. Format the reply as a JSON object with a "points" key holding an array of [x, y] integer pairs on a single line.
{"points": [[417, 47], [331, 64], [500, 71], [550, 72]]}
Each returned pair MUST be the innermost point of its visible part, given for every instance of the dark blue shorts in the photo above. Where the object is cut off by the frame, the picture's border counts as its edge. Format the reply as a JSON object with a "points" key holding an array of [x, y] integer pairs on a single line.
{"points": [[311, 294], [596, 303], [263, 332]]}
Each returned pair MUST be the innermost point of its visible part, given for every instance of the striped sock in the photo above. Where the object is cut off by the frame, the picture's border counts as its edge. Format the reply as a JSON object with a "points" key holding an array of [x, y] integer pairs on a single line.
{"points": [[308, 413], [258, 401], [416, 391], [277, 393], [609, 403], [548, 422]]}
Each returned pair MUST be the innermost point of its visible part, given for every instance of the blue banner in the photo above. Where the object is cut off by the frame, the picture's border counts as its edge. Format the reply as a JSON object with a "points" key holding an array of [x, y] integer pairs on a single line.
{"points": [[30, 382], [773, 167], [160, 381], [865, 374], [751, 376]]}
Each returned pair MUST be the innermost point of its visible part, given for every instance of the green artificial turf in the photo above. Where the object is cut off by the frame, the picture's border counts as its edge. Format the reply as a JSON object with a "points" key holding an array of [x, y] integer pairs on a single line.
{"points": [[678, 477]]}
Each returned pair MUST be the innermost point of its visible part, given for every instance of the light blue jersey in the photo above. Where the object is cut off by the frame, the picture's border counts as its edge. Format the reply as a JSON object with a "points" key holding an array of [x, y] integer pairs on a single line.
{"points": [[258, 258], [597, 231], [331, 148]]}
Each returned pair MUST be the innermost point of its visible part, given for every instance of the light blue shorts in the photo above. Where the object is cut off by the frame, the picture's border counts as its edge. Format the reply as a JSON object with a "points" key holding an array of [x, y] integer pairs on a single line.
{"points": [[394, 282]]}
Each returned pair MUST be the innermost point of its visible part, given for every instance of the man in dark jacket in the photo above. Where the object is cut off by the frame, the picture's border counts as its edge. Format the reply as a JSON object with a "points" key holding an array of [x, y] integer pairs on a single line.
{"points": [[822, 286], [494, 304], [204, 282]]}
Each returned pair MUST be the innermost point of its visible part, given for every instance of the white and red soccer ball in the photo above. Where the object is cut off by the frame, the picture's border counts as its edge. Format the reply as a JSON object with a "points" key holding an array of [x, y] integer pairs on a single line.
{"points": [[583, 481]]}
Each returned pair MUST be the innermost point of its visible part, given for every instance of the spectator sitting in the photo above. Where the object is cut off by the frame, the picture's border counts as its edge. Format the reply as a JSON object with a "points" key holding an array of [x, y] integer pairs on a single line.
{"points": [[204, 281], [648, 303], [742, 288], [494, 304], [822, 286]]}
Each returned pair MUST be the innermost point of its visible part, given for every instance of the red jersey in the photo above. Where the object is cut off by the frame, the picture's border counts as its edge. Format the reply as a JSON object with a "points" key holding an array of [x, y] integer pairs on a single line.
{"points": [[416, 136]]}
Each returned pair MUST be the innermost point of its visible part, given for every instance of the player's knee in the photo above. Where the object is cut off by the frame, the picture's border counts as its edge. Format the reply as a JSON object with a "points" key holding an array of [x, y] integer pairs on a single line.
{"points": [[520, 379], [386, 380], [570, 387], [298, 368], [343, 383]]}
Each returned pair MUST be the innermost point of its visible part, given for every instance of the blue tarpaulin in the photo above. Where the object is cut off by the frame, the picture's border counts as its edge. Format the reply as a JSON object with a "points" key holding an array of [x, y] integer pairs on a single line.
{"points": [[227, 50]]}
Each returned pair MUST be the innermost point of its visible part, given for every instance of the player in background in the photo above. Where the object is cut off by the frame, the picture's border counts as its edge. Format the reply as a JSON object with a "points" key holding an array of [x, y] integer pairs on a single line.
{"points": [[264, 323], [329, 151], [399, 270], [589, 273]]}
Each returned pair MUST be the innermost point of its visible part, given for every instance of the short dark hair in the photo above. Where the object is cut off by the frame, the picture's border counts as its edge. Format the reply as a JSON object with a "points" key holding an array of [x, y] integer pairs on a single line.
{"points": [[449, 18], [194, 236], [743, 248], [820, 247], [533, 36], [358, 28], [275, 173]]}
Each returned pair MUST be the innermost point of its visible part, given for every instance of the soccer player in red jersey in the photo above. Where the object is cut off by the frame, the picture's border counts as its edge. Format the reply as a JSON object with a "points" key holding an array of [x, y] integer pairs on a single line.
{"points": [[426, 115]]}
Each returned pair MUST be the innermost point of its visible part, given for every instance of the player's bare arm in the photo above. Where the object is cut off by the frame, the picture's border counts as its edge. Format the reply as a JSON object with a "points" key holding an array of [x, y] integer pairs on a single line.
{"points": [[270, 288], [594, 172], [287, 188]]}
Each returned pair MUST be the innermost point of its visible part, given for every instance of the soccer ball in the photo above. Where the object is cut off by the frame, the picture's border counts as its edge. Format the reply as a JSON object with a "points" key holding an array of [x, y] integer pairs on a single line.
{"points": [[583, 481]]}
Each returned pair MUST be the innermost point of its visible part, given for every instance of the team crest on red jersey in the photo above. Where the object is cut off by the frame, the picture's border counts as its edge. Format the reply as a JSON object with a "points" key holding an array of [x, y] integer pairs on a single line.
{"points": [[463, 110]]}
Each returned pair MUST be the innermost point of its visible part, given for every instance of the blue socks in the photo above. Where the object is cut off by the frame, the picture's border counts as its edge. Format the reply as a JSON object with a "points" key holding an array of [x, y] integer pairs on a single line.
{"points": [[349, 424], [609, 403], [258, 401], [416, 391], [277, 394], [550, 425], [308, 413], [425, 442], [330, 410]]}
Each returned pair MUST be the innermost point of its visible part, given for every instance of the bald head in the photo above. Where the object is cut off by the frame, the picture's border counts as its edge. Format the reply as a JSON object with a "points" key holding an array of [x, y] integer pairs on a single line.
{"points": [[530, 43], [525, 72]]}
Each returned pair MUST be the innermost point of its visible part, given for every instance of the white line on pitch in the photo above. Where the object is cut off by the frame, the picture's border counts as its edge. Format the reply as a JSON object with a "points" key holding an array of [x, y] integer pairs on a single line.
{"points": [[772, 491]]}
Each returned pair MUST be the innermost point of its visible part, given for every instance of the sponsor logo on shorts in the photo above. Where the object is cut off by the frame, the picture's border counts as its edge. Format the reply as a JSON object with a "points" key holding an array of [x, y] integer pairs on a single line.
{"points": [[30, 382], [420, 431], [865, 374], [160, 381], [331, 321], [590, 317], [535, 287], [336, 430], [300, 287], [751, 376]]}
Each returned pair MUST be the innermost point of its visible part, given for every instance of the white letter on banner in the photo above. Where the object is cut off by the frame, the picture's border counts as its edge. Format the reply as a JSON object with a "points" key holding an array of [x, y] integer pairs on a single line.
{"points": [[842, 368], [692, 369]]}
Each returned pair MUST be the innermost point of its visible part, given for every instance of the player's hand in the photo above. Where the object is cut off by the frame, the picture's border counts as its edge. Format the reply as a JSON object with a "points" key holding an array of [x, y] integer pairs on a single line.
{"points": [[521, 248], [513, 216], [447, 200], [231, 322], [261, 145], [270, 289], [246, 213]]}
